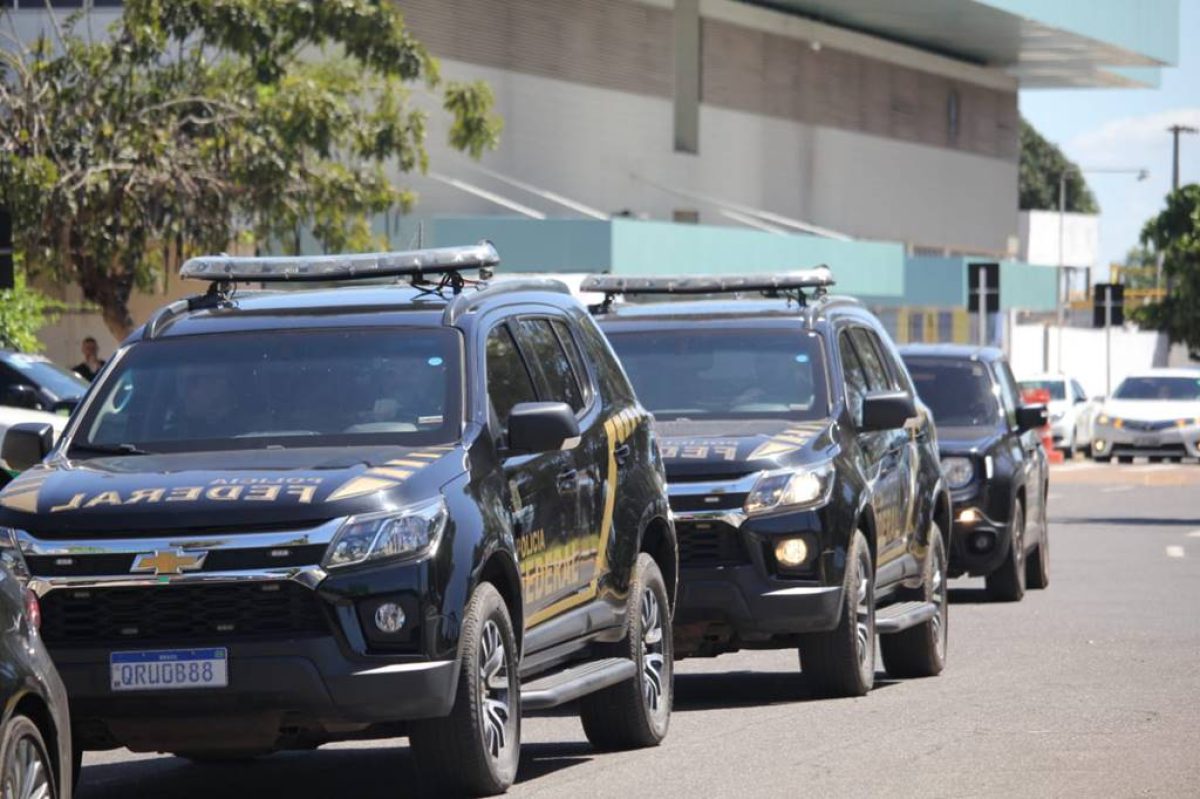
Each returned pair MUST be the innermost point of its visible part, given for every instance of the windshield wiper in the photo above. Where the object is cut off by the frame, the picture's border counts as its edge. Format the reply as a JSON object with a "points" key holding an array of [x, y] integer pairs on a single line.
{"points": [[110, 449]]}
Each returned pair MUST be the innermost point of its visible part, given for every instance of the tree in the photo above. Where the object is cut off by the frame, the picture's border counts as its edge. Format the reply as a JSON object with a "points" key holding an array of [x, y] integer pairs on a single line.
{"points": [[1175, 234], [199, 124], [1042, 163], [1140, 270], [23, 312]]}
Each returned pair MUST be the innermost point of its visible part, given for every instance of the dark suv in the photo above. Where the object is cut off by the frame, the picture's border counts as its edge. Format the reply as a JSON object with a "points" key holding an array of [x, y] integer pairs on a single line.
{"points": [[994, 464], [285, 518], [803, 474]]}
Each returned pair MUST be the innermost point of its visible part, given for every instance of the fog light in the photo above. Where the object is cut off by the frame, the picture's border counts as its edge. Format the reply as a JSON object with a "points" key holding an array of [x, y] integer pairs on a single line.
{"points": [[982, 541], [1099, 444], [791, 552], [389, 617], [969, 516]]}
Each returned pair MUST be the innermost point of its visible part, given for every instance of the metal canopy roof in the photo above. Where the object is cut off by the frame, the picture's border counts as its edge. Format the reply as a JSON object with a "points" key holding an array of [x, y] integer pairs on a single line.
{"points": [[1043, 43]]}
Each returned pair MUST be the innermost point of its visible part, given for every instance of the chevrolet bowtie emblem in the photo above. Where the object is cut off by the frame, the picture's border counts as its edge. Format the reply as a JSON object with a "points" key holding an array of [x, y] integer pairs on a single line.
{"points": [[171, 561]]}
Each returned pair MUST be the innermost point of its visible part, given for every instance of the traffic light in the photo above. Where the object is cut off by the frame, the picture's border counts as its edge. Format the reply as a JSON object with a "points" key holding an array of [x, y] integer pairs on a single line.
{"points": [[987, 276], [1102, 294], [7, 278]]}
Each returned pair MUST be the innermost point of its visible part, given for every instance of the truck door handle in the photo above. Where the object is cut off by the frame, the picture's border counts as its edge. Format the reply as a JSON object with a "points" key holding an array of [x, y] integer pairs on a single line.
{"points": [[621, 453], [568, 480]]}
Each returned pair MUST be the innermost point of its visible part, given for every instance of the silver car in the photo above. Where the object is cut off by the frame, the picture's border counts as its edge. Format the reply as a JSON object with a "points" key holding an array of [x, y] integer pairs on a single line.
{"points": [[1155, 414]]}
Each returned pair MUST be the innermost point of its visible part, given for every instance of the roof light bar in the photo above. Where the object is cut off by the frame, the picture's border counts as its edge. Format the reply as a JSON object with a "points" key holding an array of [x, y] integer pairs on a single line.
{"points": [[353, 266], [818, 277]]}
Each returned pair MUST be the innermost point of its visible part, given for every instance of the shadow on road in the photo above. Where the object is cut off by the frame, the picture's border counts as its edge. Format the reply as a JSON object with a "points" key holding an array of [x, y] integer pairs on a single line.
{"points": [[385, 771], [747, 689], [969, 596], [1130, 521]]}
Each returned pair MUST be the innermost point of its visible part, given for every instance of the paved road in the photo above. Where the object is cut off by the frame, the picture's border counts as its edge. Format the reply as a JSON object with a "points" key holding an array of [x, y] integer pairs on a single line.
{"points": [[1091, 688]]}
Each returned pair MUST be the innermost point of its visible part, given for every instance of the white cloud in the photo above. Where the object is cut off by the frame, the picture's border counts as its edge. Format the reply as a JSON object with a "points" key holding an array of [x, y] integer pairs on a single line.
{"points": [[1141, 138]]}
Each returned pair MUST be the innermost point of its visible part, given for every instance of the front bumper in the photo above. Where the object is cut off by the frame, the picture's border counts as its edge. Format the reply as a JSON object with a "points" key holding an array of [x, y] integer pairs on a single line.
{"points": [[732, 594], [280, 693], [978, 545], [1172, 442]]}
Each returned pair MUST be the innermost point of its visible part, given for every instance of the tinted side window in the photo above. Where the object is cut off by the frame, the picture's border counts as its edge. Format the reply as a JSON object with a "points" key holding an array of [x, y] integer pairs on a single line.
{"points": [[865, 344], [508, 380], [558, 382], [577, 366], [1077, 389], [1010, 395], [856, 380]]}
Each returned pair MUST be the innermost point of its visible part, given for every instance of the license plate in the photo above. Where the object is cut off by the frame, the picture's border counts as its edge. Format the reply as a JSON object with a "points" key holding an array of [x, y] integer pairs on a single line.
{"points": [[169, 669], [1145, 441]]}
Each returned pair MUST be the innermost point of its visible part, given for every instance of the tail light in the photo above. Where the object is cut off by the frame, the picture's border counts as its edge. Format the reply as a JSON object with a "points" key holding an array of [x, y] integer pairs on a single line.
{"points": [[33, 610]]}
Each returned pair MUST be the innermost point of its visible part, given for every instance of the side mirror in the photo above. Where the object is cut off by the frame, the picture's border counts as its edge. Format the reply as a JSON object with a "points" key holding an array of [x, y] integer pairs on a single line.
{"points": [[1080, 400], [21, 396], [1031, 417], [26, 444], [542, 427], [886, 410]]}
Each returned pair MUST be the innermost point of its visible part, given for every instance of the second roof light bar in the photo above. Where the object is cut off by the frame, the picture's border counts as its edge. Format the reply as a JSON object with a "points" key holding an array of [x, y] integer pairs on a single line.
{"points": [[355, 266], [817, 278]]}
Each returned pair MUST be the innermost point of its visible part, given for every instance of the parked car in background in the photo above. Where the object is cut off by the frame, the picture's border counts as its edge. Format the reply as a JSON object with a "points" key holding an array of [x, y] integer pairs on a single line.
{"points": [[1155, 414], [994, 464], [34, 382], [1071, 412], [803, 476], [35, 727]]}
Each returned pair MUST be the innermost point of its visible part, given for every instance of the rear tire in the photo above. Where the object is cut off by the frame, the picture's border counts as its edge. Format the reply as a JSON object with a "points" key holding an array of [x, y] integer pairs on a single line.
{"points": [[1102, 458], [476, 748], [921, 651], [1124, 459], [637, 712], [1037, 573], [842, 662], [1007, 583]]}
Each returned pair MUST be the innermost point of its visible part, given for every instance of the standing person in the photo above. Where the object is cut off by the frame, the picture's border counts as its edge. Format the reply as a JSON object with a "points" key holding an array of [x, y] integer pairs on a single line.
{"points": [[91, 360]]}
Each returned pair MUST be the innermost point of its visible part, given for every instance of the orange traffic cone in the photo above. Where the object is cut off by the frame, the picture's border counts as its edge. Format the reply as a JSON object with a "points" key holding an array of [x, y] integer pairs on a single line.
{"points": [[1041, 396]]}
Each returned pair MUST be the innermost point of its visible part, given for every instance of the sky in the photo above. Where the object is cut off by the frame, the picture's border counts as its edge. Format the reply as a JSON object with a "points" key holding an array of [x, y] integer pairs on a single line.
{"points": [[1115, 128]]}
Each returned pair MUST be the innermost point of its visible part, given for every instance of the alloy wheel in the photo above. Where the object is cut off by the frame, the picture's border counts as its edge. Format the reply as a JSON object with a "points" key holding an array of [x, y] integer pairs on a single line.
{"points": [[494, 689], [863, 615], [26, 773], [654, 663]]}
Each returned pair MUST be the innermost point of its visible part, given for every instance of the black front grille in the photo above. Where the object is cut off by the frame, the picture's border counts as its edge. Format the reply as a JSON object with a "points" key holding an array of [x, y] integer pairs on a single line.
{"points": [[685, 503], [179, 613], [1132, 424], [709, 544]]}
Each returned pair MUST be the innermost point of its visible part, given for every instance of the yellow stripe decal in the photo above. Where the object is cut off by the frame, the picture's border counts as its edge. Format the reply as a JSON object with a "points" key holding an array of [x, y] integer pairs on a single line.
{"points": [[409, 464], [395, 474], [359, 486], [25, 501]]}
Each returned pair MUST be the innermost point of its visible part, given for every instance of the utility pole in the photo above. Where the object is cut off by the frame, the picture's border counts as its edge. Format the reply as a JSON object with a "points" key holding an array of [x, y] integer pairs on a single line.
{"points": [[1175, 130], [1059, 291]]}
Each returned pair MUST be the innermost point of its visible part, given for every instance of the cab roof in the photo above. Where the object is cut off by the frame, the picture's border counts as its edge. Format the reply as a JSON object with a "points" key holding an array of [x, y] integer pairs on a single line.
{"points": [[955, 351]]}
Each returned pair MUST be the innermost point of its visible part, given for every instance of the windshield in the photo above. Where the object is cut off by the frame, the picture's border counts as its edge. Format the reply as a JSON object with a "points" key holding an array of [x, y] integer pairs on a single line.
{"points": [[279, 389], [726, 374], [1057, 388], [48, 375], [1159, 388], [960, 393]]}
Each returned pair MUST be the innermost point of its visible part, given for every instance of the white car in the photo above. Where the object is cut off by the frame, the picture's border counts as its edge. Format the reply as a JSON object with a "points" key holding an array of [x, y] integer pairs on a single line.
{"points": [[1071, 412], [10, 416], [1154, 413]]}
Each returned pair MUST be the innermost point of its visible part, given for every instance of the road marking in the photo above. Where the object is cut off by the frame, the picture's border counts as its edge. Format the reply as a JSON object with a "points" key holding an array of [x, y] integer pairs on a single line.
{"points": [[1194, 534], [1116, 489], [1174, 551]]}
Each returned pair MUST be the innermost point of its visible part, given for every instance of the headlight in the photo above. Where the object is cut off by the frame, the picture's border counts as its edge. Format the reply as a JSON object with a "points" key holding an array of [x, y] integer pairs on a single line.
{"points": [[807, 487], [959, 472], [1187, 422], [405, 533]]}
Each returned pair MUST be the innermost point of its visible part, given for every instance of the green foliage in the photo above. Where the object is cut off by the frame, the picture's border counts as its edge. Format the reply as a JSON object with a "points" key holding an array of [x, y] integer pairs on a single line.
{"points": [[1175, 234], [23, 312], [201, 123], [1042, 163]]}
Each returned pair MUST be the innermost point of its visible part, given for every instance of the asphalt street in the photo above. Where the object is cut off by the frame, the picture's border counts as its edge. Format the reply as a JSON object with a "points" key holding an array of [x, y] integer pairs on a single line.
{"points": [[1090, 688]]}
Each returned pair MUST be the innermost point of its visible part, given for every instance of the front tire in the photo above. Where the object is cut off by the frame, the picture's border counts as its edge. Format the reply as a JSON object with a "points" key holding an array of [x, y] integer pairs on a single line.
{"points": [[25, 765], [475, 749], [636, 713], [1007, 583], [842, 662], [921, 651]]}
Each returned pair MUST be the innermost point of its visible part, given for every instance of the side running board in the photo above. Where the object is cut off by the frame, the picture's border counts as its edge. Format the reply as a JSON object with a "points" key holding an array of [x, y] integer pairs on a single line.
{"points": [[568, 684], [902, 615]]}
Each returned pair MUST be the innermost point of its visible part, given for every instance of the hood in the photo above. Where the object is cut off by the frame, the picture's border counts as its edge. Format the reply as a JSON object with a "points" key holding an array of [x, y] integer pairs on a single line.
{"points": [[238, 489], [1151, 410], [961, 440], [725, 447]]}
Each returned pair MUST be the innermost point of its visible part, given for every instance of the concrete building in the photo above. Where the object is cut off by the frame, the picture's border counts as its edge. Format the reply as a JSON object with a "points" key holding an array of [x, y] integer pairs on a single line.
{"points": [[720, 135]]}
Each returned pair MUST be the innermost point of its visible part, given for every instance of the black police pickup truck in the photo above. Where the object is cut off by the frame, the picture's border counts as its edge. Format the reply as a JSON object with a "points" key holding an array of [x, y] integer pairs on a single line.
{"points": [[994, 464], [803, 474], [290, 517]]}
